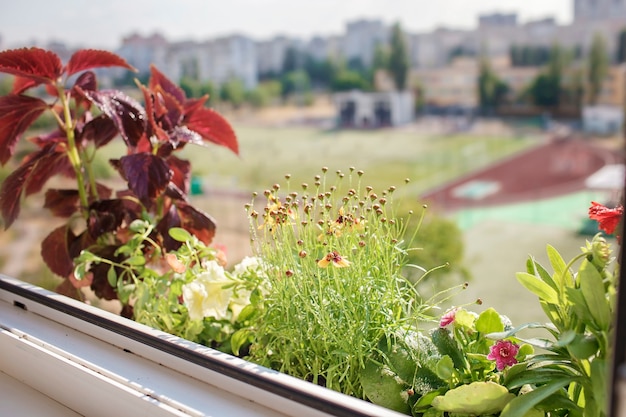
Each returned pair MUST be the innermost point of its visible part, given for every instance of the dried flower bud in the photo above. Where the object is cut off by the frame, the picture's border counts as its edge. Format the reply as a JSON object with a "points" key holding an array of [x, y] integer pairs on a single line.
{"points": [[351, 169], [276, 187], [300, 243], [369, 188], [254, 194], [317, 183], [361, 243], [407, 180], [479, 301], [305, 185], [360, 173], [302, 254], [287, 176], [324, 169], [382, 201], [289, 273], [317, 178]]}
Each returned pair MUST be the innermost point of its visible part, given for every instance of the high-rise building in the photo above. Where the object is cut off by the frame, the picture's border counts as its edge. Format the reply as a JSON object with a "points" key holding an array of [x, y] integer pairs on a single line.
{"points": [[590, 10]]}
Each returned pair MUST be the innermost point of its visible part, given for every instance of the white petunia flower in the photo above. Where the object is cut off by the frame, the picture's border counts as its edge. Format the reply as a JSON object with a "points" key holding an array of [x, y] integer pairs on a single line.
{"points": [[206, 296]]}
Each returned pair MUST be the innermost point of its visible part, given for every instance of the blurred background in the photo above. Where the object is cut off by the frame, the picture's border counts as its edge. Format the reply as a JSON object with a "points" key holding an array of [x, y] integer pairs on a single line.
{"points": [[507, 116]]}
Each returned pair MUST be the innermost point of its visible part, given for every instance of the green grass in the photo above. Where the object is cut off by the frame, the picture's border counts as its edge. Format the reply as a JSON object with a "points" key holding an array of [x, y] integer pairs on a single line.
{"points": [[387, 156]]}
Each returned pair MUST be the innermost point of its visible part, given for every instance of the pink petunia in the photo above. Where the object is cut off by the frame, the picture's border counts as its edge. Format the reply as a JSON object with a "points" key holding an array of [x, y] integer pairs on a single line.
{"points": [[503, 352], [447, 318]]}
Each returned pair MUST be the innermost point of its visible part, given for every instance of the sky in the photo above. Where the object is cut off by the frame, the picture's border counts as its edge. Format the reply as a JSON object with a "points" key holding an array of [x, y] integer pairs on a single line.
{"points": [[103, 24]]}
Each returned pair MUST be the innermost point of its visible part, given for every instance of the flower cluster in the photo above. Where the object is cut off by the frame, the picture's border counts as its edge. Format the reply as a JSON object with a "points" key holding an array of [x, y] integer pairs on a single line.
{"points": [[187, 292], [334, 251]]}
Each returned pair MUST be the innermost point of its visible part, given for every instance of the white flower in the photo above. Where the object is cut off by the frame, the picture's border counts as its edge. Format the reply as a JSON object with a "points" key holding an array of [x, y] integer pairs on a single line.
{"points": [[206, 296], [249, 264]]}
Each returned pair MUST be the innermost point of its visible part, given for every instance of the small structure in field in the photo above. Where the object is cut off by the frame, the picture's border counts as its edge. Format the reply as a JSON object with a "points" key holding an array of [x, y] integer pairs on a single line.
{"points": [[603, 119], [359, 109]]}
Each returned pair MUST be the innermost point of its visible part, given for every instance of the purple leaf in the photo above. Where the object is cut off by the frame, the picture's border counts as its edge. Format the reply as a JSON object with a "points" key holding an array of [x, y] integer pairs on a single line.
{"points": [[147, 175], [17, 113], [54, 251], [126, 113]]}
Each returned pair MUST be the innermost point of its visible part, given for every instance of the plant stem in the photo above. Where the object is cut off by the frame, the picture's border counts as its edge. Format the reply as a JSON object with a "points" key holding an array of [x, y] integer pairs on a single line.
{"points": [[72, 151]]}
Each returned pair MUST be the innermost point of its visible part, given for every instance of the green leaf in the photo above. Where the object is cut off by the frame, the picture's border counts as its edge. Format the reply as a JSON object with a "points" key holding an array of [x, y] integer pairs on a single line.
{"points": [[112, 277], [137, 260], [583, 347], [522, 404], [489, 321], [600, 381], [536, 376], [179, 234], [592, 289], [561, 277], [538, 287], [509, 333], [464, 318], [238, 339], [478, 398], [535, 268], [445, 368], [246, 313]]}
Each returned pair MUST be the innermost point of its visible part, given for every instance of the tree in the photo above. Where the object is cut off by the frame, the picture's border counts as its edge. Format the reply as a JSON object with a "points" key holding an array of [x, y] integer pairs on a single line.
{"points": [[398, 57], [597, 67], [295, 82], [234, 92], [491, 90], [544, 90], [347, 80], [621, 47]]}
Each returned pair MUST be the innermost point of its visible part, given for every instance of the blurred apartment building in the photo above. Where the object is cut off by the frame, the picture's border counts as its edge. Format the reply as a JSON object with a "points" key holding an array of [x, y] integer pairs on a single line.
{"points": [[444, 63]]}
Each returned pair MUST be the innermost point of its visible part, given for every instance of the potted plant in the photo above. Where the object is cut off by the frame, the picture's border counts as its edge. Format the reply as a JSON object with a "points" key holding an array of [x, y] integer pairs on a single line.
{"points": [[326, 299]]}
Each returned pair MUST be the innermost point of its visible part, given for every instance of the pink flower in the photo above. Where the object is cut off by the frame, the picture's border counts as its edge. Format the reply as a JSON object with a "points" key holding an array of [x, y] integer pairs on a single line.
{"points": [[447, 318], [503, 352]]}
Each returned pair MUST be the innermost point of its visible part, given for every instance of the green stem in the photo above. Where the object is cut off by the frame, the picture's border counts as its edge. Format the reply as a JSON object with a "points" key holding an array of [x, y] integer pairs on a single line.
{"points": [[72, 150]]}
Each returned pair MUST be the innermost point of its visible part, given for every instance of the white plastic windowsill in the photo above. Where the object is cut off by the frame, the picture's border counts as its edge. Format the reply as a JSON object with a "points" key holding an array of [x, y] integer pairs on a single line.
{"points": [[97, 369]]}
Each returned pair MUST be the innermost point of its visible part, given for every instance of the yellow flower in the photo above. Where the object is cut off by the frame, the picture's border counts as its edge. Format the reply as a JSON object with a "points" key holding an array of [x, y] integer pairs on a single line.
{"points": [[333, 258], [275, 214]]}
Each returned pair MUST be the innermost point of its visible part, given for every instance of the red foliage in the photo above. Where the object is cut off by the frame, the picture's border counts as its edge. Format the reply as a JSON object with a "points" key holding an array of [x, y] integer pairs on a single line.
{"points": [[157, 181]]}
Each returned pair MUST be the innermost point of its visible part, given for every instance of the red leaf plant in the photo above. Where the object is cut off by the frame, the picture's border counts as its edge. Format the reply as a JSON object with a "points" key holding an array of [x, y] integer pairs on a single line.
{"points": [[88, 118]]}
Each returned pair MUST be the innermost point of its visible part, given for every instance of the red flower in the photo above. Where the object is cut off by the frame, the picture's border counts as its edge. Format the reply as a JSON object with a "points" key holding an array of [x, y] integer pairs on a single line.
{"points": [[607, 218], [503, 352]]}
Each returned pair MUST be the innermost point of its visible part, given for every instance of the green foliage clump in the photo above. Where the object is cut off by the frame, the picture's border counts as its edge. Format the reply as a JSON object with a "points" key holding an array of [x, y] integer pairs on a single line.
{"points": [[335, 256]]}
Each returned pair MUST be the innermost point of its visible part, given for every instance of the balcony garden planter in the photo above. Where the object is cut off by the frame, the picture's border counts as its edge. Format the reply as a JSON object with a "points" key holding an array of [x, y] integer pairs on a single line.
{"points": [[325, 299], [100, 364]]}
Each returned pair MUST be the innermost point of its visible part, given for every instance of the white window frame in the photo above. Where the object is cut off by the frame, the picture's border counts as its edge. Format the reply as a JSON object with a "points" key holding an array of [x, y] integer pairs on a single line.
{"points": [[96, 363]]}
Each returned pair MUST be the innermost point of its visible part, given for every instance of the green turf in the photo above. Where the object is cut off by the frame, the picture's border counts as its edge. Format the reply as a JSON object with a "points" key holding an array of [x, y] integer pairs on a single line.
{"points": [[568, 211]]}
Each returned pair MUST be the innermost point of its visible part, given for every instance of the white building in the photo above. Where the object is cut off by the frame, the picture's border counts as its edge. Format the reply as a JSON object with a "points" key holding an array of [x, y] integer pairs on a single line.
{"points": [[359, 109], [142, 51], [361, 39], [603, 120], [270, 54], [587, 10]]}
